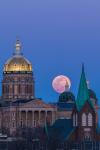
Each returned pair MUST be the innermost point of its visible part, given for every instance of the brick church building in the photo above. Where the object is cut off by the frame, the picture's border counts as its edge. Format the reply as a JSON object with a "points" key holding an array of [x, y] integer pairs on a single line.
{"points": [[83, 124]]}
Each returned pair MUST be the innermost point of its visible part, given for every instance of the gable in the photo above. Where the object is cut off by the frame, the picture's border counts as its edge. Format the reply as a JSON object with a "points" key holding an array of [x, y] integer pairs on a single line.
{"points": [[87, 108]]}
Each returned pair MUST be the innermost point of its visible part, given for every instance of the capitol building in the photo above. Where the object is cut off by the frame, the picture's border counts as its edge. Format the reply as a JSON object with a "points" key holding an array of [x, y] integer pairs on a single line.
{"points": [[19, 107]]}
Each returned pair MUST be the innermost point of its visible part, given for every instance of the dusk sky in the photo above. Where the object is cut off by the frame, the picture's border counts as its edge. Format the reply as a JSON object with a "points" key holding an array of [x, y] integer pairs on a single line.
{"points": [[57, 37]]}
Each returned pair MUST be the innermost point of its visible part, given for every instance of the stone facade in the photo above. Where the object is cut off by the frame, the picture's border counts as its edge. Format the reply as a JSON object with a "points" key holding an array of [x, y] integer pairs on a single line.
{"points": [[85, 123], [19, 106], [17, 86], [31, 114]]}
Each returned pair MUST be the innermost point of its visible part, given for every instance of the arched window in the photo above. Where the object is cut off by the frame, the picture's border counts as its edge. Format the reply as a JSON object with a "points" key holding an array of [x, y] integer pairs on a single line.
{"points": [[74, 120], [87, 136], [90, 121], [83, 119]]}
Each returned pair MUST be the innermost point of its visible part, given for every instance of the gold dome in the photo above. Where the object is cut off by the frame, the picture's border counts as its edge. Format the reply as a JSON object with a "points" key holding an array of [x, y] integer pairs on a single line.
{"points": [[18, 62]]}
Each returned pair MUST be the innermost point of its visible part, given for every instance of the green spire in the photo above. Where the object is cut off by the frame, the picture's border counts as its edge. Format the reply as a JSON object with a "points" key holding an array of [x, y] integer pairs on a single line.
{"points": [[83, 94]]}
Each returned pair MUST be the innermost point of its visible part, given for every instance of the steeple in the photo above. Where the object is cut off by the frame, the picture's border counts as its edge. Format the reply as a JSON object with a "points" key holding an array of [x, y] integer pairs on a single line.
{"points": [[17, 48], [83, 94]]}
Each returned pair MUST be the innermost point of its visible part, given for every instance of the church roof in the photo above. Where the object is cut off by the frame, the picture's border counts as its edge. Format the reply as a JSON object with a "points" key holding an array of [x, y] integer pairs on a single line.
{"points": [[61, 129], [83, 93]]}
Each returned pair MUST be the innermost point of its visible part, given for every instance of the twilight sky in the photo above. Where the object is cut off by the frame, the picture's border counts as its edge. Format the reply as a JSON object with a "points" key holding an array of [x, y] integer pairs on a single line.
{"points": [[57, 36]]}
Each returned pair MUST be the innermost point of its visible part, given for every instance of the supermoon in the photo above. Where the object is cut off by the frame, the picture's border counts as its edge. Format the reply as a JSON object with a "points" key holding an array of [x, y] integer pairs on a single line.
{"points": [[61, 83]]}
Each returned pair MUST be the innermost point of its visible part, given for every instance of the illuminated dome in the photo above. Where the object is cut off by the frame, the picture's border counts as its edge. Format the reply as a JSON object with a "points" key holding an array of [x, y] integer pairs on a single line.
{"points": [[18, 63]]}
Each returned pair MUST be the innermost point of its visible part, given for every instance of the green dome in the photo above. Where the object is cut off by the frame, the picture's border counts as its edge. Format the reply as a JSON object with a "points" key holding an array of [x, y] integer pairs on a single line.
{"points": [[66, 97]]}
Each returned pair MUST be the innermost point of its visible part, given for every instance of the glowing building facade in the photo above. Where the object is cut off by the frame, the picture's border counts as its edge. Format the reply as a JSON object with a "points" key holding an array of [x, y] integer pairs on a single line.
{"points": [[19, 107]]}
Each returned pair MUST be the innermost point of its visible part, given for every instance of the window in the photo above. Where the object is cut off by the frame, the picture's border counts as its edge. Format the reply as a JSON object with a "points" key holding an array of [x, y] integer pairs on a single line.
{"points": [[21, 123], [87, 136], [90, 122], [15, 90], [23, 90], [13, 115], [35, 123], [7, 89], [74, 120], [83, 119]]}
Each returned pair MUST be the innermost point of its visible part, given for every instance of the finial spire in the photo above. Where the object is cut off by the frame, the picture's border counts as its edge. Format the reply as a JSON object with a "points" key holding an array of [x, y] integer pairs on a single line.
{"points": [[18, 47]]}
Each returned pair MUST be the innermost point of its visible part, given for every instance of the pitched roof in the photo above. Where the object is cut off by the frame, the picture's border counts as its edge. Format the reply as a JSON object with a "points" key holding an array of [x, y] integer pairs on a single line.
{"points": [[61, 129], [83, 93]]}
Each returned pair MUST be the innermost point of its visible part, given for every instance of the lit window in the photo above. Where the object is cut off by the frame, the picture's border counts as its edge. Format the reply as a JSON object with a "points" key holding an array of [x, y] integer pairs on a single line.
{"points": [[13, 115], [83, 119], [90, 122], [15, 90]]}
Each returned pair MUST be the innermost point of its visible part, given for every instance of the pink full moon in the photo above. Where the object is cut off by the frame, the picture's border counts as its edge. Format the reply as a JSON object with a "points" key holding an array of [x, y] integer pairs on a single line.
{"points": [[61, 83]]}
